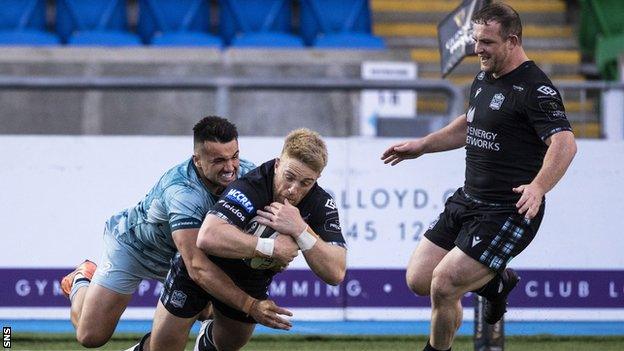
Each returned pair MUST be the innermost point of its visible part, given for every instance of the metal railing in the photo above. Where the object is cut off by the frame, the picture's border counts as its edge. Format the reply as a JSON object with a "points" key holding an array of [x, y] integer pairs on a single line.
{"points": [[612, 122], [224, 85]]}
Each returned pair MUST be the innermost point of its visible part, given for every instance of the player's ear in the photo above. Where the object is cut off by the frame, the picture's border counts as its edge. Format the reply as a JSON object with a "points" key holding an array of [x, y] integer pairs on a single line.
{"points": [[277, 162], [196, 161], [514, 41]]}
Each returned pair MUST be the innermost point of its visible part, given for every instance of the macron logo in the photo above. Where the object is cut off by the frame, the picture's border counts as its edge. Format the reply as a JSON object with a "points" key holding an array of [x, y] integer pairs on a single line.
{"points": [[476, 240], [240, 198]]}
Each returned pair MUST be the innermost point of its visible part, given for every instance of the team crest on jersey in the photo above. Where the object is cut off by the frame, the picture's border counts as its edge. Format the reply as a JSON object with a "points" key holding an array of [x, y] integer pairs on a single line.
{"points": [[481, 75], [497, 101], [470, 114]]}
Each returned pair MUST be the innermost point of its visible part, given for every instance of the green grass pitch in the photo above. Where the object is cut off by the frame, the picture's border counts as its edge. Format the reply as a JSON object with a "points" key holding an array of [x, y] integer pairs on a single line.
{"points": [[339, 343]]}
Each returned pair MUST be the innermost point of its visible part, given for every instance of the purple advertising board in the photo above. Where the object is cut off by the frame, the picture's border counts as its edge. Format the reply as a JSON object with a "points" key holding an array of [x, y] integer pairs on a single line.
{"points": [[361, 288]]}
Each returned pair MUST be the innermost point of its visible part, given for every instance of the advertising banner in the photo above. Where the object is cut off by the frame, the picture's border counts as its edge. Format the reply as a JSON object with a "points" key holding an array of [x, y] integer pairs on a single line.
{"points": [[58, 191]]}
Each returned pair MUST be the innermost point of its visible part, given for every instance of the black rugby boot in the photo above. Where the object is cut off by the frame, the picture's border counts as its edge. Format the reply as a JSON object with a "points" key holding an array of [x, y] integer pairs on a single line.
{"points": [[493, 310]]}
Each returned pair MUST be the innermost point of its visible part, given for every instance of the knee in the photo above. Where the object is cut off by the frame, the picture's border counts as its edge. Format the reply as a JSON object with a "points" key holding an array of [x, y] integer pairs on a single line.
{"points": [[442, 288], [417, 283], [230, 343], [221, 346], [91, 340]]}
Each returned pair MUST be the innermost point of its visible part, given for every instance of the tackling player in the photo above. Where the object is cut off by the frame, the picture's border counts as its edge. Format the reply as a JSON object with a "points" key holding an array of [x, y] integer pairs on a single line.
{"points": [[140, 241], [519, 144]]}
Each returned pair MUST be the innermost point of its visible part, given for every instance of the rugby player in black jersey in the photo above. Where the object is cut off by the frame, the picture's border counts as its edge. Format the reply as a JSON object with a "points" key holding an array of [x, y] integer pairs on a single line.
{"points": [[519, 144], [284, 195]]}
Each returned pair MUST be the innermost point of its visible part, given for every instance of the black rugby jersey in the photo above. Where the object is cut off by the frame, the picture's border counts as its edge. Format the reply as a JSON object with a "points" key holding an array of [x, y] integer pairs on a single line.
{"points": [[509, 119], [243, 197]]}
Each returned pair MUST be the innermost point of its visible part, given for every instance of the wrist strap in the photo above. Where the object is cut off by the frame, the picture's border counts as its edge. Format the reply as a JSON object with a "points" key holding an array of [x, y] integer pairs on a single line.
{"points": [[265, 246], [305, 240]]}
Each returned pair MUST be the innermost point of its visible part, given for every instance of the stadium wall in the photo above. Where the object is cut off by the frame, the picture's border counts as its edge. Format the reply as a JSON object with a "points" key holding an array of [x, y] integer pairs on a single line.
{"points": [[57, 191], [125, 112]]}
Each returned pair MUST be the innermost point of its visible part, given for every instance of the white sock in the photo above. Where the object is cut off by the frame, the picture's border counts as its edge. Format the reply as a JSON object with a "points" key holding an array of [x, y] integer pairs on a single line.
{"points": [[80, 281]]}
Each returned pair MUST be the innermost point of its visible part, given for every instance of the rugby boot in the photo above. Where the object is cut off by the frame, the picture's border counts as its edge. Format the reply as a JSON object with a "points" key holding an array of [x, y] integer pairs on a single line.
{"points": [[139, 346], [204, 338], [494, 310], [86, 268]]}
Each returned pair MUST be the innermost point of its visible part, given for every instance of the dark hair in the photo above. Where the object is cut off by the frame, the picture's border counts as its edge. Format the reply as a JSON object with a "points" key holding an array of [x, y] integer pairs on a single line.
{"points": [[215, 129], [505, 15]]}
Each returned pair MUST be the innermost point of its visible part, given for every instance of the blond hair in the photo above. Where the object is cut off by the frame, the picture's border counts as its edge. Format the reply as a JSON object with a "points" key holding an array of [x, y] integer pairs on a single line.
{"points": [[306, 146]]}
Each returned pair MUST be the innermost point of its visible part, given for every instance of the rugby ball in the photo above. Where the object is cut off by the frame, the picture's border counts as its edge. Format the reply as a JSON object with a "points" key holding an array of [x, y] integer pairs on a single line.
{"points": [[261, 231]]}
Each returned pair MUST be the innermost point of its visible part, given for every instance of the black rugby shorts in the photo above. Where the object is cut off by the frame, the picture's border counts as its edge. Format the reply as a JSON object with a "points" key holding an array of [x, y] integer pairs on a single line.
{"points": [[183, 298], [492, 234]]}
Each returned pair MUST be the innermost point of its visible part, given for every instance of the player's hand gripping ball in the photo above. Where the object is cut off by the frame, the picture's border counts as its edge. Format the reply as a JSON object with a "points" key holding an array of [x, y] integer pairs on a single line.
{"points": [[261, 231]]}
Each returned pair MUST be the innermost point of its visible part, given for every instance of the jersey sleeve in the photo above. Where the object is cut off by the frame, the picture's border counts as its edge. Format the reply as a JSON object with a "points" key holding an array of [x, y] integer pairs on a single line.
{"points": [[326, 223], [545, 110], [185, 207], [238, 203]]}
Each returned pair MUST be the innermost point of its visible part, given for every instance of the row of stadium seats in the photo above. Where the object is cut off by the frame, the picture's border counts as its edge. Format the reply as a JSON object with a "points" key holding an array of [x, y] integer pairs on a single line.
{"points": [[243, 23]]}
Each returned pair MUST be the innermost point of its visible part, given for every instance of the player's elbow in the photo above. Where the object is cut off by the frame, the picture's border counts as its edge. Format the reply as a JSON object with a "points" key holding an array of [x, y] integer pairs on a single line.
{"points": [[205, 240], [194, 269], [336, 276]]}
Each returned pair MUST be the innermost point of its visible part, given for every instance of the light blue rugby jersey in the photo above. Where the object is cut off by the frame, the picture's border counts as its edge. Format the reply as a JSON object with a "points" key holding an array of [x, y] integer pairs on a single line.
{"points": [[178, 201]]}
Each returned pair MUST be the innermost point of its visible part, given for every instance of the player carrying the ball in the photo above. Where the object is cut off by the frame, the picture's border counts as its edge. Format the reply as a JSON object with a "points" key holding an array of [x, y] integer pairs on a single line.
{"points": [[282, 194]]}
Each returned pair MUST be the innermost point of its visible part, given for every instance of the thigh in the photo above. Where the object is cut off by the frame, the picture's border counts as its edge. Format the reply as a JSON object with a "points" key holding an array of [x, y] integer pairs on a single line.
{"points": [[420, 268], [101, 311], [458, 273], [230, 334], [169, 333]]}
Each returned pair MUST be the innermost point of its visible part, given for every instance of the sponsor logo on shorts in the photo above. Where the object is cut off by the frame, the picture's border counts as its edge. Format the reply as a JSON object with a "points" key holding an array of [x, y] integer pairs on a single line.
{"points": [[178, 298], [240, 198]]}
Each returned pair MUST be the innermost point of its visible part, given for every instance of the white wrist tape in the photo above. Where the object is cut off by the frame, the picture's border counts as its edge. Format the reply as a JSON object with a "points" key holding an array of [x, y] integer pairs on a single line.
{"points": [[305, 240], [265, 246]]}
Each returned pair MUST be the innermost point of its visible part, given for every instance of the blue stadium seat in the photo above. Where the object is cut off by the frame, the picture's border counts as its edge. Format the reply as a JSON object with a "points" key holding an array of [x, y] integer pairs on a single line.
{"points": [[176, 23], [94, 23], [23, 22], [338, 24], [257, 23]]}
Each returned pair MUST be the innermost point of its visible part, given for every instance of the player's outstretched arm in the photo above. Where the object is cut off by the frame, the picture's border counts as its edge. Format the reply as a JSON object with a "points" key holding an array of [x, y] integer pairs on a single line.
{"points": [[451, 137]]}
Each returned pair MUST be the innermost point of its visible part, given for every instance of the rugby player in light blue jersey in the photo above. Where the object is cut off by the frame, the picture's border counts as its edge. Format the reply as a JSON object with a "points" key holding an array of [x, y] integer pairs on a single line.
{"points": [[140, 241]]}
